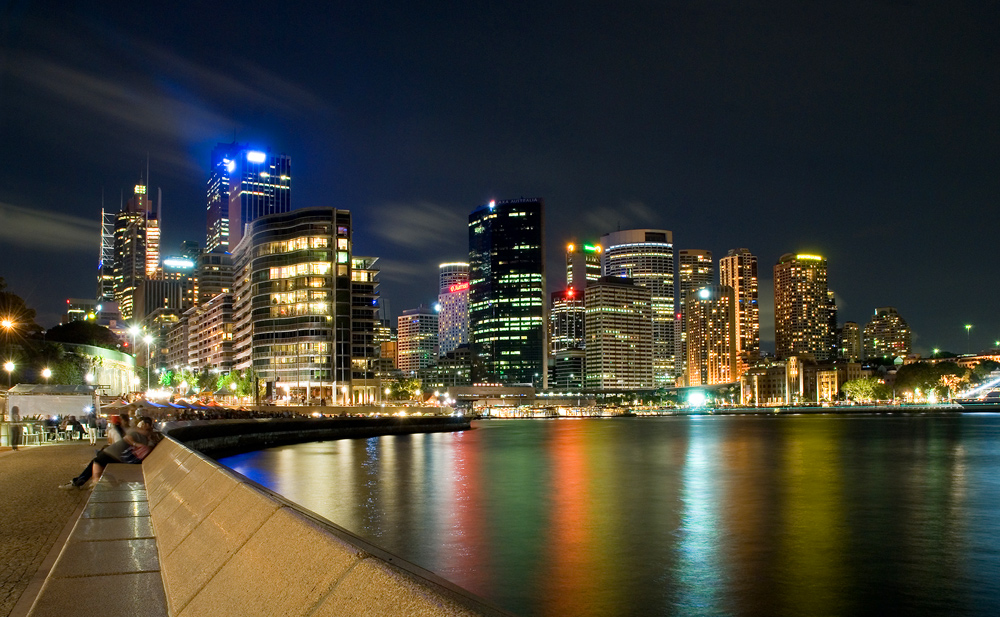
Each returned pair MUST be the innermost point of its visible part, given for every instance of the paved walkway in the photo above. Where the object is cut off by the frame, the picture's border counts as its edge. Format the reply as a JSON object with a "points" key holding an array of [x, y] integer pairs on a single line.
{"points": [[33, 511]]}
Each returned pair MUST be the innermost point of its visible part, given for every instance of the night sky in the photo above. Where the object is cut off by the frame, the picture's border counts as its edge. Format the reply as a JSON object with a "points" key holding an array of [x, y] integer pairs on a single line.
{"points": [[865, 131]]}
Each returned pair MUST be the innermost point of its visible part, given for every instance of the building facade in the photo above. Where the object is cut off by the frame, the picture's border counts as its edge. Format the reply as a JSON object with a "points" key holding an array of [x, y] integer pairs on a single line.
{"points": [[695, 270], [210, 338], [887, 335], [243, 185], [583, 264], [712, 350], [738, 269], [801, 306], [647, 257], [850, 342], [619, 335], [136, 248], [292, 302], [416, 339], [507, 292], [453, 307]]}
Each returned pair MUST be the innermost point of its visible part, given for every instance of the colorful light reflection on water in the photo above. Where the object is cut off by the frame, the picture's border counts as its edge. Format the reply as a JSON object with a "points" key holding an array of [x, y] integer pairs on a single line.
{"points": [[713, 515]]}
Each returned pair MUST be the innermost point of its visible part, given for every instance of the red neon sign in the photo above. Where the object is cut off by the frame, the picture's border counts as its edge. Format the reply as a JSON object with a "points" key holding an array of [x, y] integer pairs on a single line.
{"points": [[458, 287]]}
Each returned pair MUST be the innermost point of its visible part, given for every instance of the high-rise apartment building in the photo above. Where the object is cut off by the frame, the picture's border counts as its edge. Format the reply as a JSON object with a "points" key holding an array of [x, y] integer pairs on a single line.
{"points": [[244, 184], [647, 257], [801, 306], [619, 333], [738, 269], [366, 306], [416, 339], [292, 302], [136, 248], [453, 307], [210, 334], [712, 349], [694, 271], [887, 335], [507, 292], [850, 342], [183, 270], [215, 274], [583, 264]]}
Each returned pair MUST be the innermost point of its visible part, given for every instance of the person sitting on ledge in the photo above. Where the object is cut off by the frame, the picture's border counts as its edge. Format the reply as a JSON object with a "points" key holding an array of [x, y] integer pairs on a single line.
{"points": [[132, 449]]}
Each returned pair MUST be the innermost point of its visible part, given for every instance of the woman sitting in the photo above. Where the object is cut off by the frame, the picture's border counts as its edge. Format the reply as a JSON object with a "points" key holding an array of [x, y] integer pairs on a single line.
{"points": [[134, 447]]}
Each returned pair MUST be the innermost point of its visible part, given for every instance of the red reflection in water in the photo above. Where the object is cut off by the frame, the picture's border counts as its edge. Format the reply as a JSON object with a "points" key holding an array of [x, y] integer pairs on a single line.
{"points": [[466, 559]]}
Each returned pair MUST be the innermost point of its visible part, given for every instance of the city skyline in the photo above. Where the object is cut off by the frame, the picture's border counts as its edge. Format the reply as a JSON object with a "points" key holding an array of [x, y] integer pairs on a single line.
{"points": [[869, 141]]}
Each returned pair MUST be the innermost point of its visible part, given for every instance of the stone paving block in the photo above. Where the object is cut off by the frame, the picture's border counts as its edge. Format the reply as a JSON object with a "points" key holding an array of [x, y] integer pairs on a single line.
{"points": [[212, 543], [120, 495], [288, 548], [122, 472], [112, 485], [107, 557], [178, 514], [116, 509], [374, 588], [131, 595], [90, 529]]}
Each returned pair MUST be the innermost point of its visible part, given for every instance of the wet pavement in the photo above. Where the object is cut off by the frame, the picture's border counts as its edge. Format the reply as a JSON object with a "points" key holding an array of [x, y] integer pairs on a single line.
{"points": [[34, 512]]}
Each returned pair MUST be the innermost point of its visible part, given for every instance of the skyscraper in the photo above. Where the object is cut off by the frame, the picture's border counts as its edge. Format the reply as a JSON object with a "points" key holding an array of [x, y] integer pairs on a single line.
{"points": [[417, 339], [738, 269], [850, 342], [694, 271], [244, 184], [453, 306], [887, 335], [507, 292], [136, 248], [712, 351], [647, 257], [619, 332], [801, 306], [583, 264]]}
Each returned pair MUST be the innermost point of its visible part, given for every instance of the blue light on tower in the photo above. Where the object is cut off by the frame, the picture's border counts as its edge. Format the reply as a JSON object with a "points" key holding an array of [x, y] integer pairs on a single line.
{"points": [[256, 156]]}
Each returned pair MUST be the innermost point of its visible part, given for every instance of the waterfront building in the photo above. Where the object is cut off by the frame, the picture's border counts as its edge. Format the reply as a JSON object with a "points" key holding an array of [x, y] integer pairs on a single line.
{"points": [[417, 339], [647, 257], [452, 369], [849, 342], [507, 292], [567, 370], [801, 306], [136, 248], [694, 271], [566, 320], [453, 307], [210, 338], [292, 302], [244, 184], [797, 378], [738, 269], [366, 307], [179, 342], [583, 264], [619, 334], [887, 335], [712, 351]]}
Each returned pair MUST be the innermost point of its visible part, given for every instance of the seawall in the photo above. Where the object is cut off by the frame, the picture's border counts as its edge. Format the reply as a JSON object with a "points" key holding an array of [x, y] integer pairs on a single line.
{"points": [[228, 546]]}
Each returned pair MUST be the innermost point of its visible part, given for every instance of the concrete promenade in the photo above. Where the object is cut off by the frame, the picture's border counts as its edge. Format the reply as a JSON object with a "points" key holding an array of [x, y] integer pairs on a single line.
{"points": [[34, 513]]}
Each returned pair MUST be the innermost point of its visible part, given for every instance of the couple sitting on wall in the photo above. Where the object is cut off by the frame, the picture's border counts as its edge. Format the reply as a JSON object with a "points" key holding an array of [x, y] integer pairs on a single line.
{"points": [[134, 447]]}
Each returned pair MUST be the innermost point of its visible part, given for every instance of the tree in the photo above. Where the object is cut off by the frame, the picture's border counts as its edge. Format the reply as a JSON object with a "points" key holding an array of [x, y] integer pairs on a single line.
{"points": [[20, 316], [83, 333], [866, 389], [404, 389]]}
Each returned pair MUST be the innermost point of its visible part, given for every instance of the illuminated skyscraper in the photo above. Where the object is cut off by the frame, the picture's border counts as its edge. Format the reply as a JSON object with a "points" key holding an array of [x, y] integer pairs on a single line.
{"points": [[416, 339], [453, 307], [738, 269], [850, 342], [619, 333], [583, 264], [136, 248], [887, 335], [244, 184], [801, 306], [566, 320], [712, 351], [694, 271], [507, 292], [647, 257]]}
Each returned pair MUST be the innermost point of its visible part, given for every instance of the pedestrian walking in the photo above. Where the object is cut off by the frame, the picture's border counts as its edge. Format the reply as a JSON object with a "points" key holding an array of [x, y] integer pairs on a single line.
{"points": [[15, 427]]}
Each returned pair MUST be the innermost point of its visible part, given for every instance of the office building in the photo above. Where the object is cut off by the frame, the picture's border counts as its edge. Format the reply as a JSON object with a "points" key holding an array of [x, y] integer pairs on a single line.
{"points": [[850, 342], [366, 306], [567, 315], [801, 306], [453, 307], [619, 334], [106, 261], [244, 183], [293, 270], [416, 339], [507, 292], [184, 271], [583, 264], [136, 248], [738, 269], [647, 257], [887, 335], [215, 274], [694, 271], [712, 351]]}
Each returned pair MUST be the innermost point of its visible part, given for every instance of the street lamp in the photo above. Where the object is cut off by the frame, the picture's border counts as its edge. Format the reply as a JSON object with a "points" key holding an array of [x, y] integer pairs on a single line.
{"points": [[968, 338], [46, 373], [9, 367], [148, 339], [386, 399]]}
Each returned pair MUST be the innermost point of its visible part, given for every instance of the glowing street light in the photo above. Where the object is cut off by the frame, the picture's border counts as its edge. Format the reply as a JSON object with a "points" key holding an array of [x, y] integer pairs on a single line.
{"points": [[46, 373], [147, 339], [9, 367], [968, 338]]}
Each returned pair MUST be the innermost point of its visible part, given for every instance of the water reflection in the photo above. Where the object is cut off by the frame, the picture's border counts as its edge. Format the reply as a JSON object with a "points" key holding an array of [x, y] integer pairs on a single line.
{"points": [[816, 515]]}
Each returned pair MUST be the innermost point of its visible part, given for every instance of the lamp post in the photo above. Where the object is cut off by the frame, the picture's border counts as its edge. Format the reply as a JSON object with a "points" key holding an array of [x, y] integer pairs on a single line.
{"points": [[148, 339], [46, 373], [385, 399], [968, 338], [9, 367]]}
